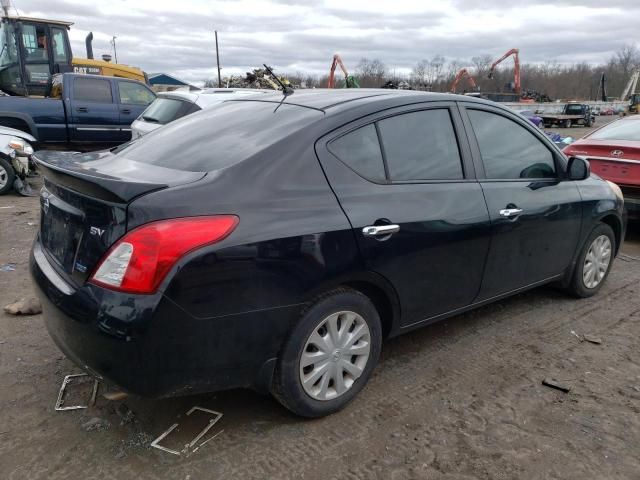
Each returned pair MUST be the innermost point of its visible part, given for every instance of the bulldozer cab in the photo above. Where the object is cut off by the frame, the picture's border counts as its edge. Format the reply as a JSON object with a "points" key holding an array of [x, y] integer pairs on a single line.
{"points": [[31, 51]]}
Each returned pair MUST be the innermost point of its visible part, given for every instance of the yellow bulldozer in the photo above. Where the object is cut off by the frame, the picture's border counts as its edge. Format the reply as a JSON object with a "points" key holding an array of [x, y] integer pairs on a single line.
{"points": [[33, 49]]}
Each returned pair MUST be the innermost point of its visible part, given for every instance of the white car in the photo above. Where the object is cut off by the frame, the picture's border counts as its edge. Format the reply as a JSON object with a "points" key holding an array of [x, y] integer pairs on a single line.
{"points": [[170, 106]]}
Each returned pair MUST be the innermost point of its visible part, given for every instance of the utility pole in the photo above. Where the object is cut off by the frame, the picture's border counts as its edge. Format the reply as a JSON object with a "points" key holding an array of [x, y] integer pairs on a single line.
{"points": [[218, 61], [115, 52]]}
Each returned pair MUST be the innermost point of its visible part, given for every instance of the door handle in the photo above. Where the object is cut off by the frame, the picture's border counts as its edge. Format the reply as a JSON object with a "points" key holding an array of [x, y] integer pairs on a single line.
{"points": [[126, 111], [82, 109], [375, 230], [510, 212]]}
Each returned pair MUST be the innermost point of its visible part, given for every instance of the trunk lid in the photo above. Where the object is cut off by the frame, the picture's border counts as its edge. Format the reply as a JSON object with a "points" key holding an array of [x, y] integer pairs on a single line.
{"points": [[84, 204]]}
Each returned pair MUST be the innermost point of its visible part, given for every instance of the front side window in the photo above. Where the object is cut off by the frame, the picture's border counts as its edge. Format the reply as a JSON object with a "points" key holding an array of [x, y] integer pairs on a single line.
{"points": [[92, 90], [35, 41], [134, 94], [8, 49], [59, 45], [421, 146], [508, 150], [360, 151]]}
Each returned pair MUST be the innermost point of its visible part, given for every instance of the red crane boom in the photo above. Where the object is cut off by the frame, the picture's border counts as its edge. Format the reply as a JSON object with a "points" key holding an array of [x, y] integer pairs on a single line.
{"points": [[459, 76], [336, 61], [516, 60]]}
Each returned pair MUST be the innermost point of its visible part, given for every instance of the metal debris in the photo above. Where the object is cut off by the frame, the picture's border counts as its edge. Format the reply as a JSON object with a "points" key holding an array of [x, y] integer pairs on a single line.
{"points": [[8, 267], [96, 423], [592, 339], [189, 447], [550, 382], [69, 379]]}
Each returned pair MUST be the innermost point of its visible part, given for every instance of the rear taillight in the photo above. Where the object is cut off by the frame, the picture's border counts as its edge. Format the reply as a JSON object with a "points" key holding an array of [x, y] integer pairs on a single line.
{"points": [[139, 261]]}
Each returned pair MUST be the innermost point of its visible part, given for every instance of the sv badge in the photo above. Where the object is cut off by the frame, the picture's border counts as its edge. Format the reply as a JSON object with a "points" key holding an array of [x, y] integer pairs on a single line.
{"points": [[96, 231]]}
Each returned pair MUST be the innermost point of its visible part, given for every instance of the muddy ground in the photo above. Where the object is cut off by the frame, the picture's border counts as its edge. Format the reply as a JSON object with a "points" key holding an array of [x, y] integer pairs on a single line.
{"points": [[461, 399]]}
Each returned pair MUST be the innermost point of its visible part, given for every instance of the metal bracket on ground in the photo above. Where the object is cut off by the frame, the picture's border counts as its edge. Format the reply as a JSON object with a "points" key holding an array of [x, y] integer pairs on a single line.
{"points": [[189, 447], [67, 380]]}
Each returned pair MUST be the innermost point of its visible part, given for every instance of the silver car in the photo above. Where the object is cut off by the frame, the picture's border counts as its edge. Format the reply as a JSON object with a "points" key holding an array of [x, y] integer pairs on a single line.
{"points": [[170, 106]]}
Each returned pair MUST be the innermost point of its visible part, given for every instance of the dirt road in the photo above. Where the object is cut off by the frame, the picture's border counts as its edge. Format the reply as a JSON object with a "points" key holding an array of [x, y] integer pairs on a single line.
{"points": [[461, 399]]}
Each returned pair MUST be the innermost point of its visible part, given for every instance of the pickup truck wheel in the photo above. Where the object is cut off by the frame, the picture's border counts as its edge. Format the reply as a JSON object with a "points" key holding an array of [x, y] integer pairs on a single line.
{"points": [[7, 176], [329, 355], [567, 124]]}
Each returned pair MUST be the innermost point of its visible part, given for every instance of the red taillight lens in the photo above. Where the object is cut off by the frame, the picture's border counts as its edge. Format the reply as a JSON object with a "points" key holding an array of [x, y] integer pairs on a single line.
{"points": [[139, 261]]}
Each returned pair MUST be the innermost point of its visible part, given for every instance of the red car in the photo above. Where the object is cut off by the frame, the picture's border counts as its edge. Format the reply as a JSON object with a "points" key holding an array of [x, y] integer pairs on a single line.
{"points": [[614, 154]]}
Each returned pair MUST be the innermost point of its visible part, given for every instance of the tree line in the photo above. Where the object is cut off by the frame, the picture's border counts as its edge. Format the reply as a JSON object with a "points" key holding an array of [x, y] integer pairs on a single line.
{"points": [[550, 79]]}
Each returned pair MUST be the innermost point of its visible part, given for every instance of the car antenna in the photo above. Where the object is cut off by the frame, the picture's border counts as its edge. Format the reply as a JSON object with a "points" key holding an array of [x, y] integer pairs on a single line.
{"points": [[285, 89]]}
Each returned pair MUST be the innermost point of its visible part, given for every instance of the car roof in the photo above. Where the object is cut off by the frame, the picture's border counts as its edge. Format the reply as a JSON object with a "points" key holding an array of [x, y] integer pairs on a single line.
{"points": [[325, 99], [209, 96]]}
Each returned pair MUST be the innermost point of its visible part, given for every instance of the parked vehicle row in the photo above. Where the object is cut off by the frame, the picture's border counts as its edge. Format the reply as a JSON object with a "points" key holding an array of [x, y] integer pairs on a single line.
{"points": [[277, 250]]}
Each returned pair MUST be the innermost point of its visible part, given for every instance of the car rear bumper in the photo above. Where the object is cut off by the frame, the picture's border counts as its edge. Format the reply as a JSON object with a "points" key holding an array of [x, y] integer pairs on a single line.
{"points": [[147, 345]]}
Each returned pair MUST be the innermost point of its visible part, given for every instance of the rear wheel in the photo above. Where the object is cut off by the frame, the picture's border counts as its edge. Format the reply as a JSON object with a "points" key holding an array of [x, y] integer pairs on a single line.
{"points": [[7, 176], [567, 124], [594, 262], [329, 355]]}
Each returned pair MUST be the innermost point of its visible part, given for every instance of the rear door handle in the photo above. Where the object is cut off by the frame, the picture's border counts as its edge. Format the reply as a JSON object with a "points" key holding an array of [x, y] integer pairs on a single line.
{"points": [[510, 212], [82, 109], [126, 111], [376, 230]]}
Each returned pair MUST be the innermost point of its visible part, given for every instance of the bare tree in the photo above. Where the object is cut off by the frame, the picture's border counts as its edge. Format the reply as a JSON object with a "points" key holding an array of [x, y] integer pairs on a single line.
{"points": [[371, 73], [482, 63], [628, 58]]}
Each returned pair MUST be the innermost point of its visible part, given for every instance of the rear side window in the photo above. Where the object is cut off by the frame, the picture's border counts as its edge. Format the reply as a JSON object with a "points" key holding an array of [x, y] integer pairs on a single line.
{"points": [[360, 150], [92, 90], [421, 146], [165, 110], [510, 151], [134, 94]]}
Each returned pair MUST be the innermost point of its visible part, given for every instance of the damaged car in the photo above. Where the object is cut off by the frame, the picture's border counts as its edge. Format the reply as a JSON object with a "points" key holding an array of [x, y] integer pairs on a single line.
{"points": [[15, 161]]}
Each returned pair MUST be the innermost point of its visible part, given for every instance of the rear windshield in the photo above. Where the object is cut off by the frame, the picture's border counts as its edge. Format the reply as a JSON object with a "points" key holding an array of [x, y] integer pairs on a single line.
{"points": [[219, 137], [163, 110], [620, 130]]}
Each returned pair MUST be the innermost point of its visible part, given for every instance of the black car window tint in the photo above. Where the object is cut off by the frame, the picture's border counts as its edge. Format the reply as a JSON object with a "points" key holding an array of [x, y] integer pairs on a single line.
{"points": [[92, 90], [360, 150], [421, 146], [164, 110], [510, 151]]}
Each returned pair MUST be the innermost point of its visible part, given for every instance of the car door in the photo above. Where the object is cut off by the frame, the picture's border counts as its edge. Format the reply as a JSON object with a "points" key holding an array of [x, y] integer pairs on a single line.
{"points": [[406, 182], [535, 213], [133, 99], [94, 114]]}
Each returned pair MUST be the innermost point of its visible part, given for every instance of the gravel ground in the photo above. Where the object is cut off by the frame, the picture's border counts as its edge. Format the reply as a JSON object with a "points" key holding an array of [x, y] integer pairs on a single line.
{"points": [[461, 399]]}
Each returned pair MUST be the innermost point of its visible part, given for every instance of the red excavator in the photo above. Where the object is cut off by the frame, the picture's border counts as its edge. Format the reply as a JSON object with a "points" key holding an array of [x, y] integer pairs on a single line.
{"points": [[459, 76], [516, 61], [349, 80]]}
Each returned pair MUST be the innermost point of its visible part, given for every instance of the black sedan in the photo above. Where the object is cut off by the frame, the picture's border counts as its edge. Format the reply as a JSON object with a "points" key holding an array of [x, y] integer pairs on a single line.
{"points": [[280, 249]]}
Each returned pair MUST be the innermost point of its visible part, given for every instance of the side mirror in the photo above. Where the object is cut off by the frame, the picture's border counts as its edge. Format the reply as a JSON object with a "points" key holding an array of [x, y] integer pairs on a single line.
{"points": [[578, 168]]}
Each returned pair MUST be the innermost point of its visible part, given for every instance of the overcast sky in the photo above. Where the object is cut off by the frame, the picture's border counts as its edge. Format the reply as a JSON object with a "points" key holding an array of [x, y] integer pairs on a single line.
{"points": [[177, 36]]}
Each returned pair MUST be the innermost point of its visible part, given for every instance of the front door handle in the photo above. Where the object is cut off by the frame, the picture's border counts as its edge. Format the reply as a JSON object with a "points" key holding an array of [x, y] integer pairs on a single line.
{"points": [[510, 212], [126, 111], [82, 109], [378, 230]]}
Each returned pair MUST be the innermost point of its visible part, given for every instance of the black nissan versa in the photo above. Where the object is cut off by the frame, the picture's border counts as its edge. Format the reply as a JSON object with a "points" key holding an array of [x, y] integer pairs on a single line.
{"points": [[274, 242]]}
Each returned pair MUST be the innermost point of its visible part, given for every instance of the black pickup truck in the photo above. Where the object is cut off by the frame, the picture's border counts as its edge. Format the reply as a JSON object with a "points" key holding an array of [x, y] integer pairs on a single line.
{"points": [[80, 110]]}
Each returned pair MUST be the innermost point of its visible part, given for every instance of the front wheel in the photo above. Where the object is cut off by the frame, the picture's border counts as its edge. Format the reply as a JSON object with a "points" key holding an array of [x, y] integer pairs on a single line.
{"points": [[594, 262], [329, 355], [7, 176]]}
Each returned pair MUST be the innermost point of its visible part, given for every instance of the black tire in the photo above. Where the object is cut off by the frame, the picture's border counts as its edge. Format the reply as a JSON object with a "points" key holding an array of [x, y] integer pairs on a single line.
{"points": [[577, 286], [287, 386], [8, 175]]}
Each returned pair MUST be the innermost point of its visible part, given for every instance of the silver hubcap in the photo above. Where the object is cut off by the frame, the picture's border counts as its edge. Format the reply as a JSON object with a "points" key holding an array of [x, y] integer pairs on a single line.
{"points": [[335, 355], [3, 177], [596, 262]]}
